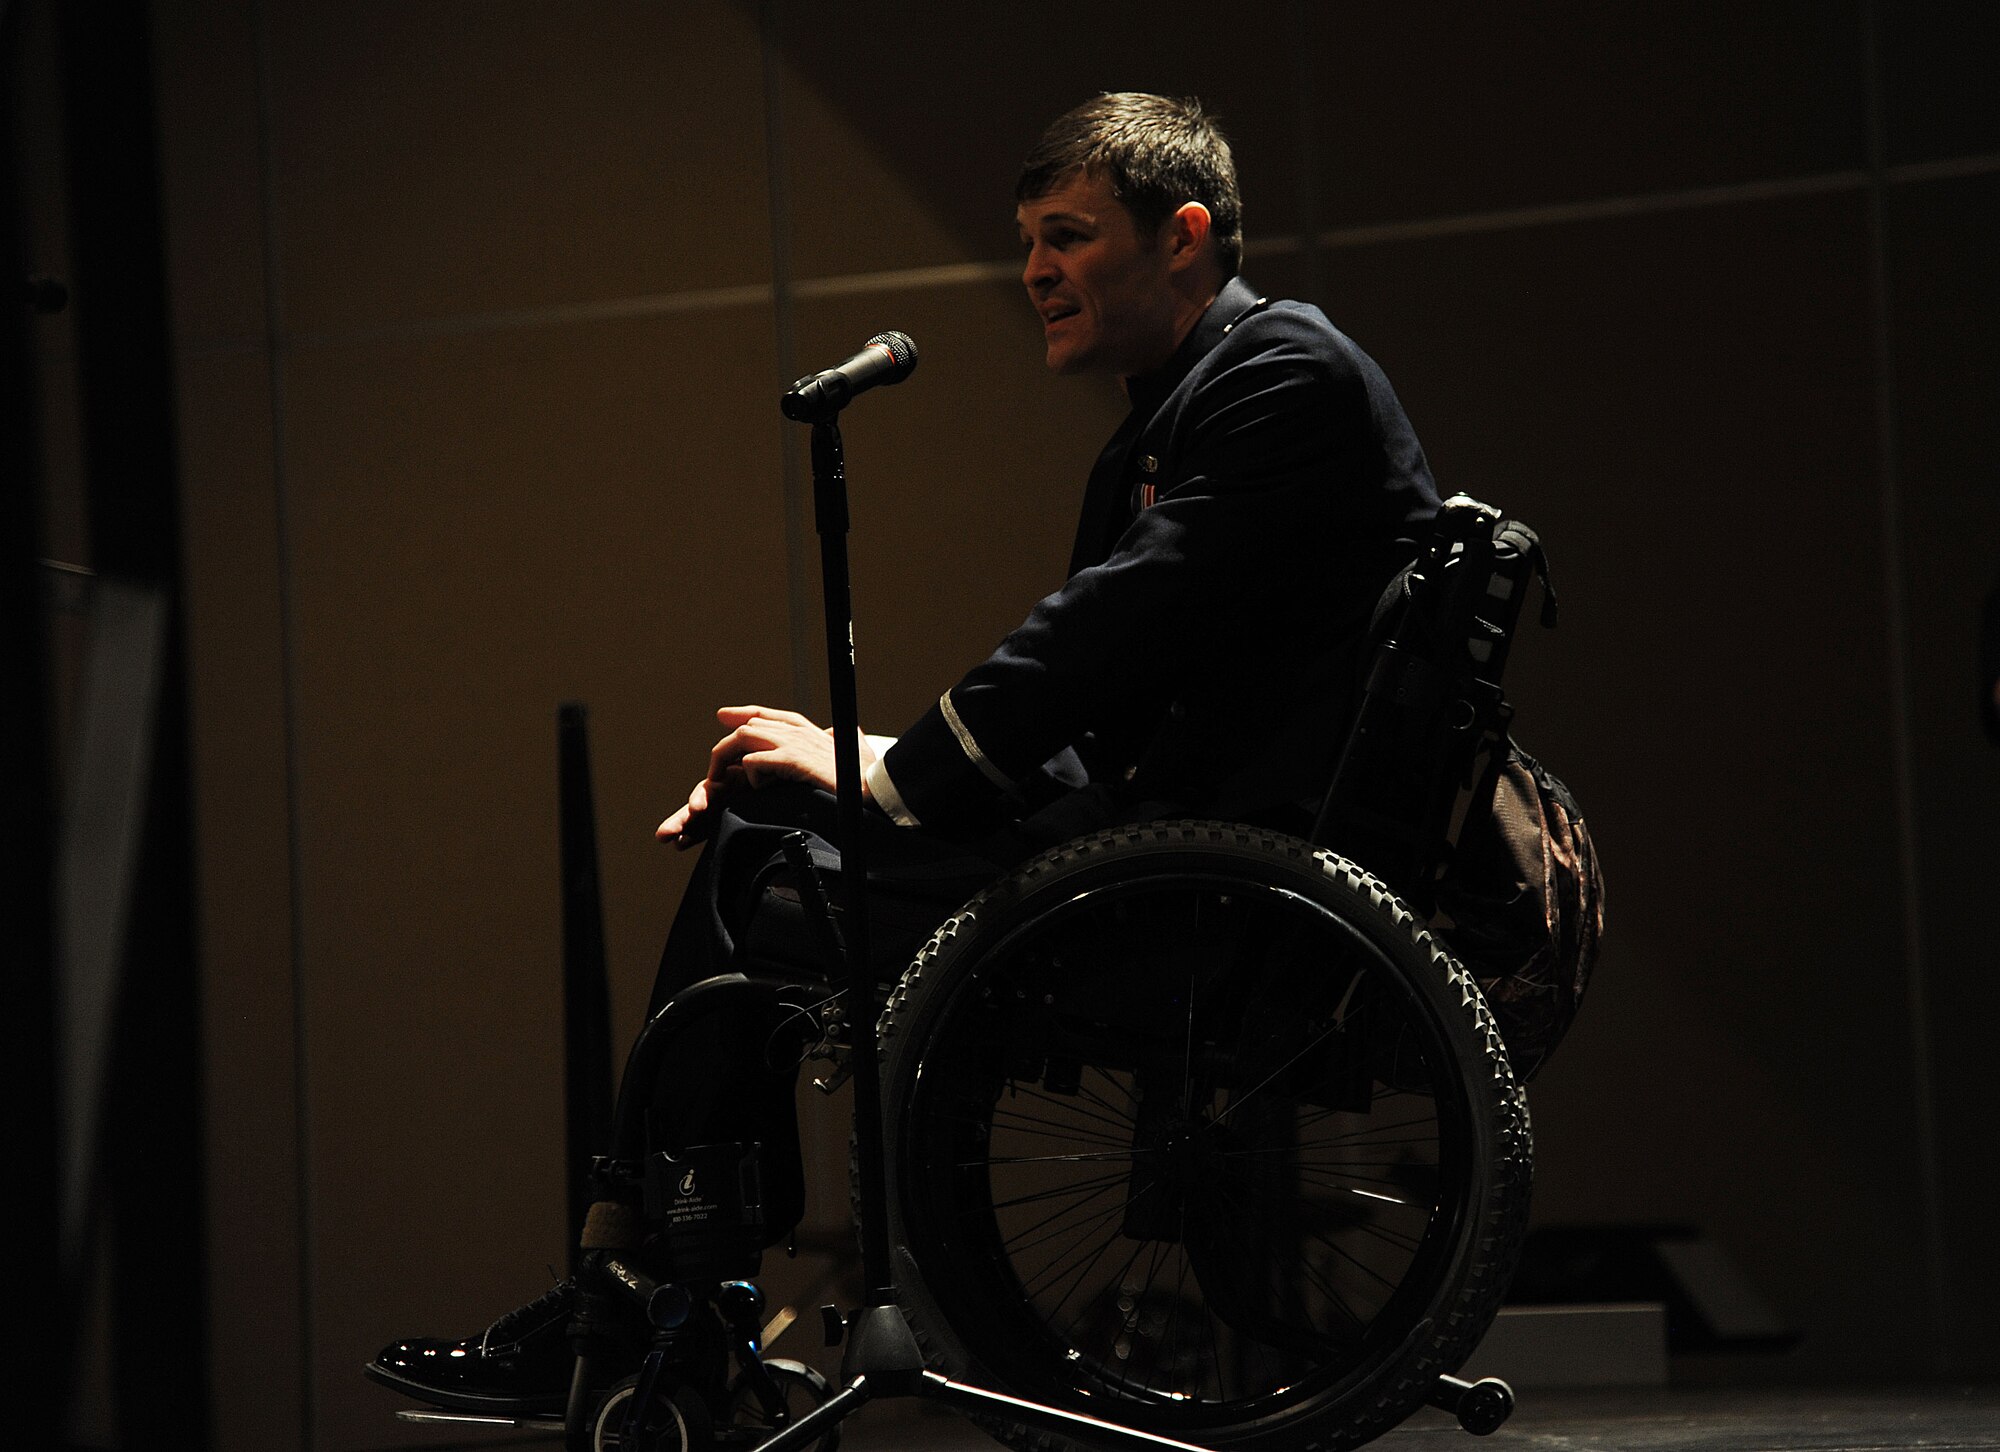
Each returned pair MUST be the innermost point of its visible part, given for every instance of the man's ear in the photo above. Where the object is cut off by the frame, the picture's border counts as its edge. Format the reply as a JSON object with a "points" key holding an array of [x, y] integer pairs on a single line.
{"points": [[1187, 235]]}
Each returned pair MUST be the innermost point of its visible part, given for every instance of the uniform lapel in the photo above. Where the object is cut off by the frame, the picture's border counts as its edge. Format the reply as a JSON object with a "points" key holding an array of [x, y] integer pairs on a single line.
{"points": [[1109, 500]]}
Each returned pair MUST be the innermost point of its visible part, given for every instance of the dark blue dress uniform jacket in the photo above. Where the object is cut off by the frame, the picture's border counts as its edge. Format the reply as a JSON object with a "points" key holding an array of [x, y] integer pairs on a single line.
{"points": [[1203, 656]]}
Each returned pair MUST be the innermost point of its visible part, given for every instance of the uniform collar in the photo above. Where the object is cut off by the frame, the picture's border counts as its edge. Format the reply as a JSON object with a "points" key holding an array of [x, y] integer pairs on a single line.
{"points": [[1150, 390]]}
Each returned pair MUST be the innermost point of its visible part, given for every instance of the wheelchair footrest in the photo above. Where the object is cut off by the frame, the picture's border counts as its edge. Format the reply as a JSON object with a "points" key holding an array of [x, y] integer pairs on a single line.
{"points": [[537, 1420]]}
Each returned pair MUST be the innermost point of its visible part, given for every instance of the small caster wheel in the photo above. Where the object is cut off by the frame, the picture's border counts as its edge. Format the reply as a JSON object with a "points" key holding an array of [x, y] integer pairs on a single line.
{"points": [[1480, 1406], [661, 1427], [1485, 1405], [801, 1390]]}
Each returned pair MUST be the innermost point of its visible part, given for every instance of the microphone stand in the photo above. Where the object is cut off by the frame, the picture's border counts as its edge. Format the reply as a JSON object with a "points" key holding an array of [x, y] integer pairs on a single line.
{"points": [[882, 1358]]}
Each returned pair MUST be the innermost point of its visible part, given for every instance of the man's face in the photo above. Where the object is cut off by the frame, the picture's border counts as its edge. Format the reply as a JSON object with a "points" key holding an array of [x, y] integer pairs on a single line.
{"points": [[1100, 288]]}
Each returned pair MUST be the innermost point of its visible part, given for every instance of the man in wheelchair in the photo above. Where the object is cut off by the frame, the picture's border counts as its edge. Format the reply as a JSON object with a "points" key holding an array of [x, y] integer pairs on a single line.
{"points": [[1236, 533]]}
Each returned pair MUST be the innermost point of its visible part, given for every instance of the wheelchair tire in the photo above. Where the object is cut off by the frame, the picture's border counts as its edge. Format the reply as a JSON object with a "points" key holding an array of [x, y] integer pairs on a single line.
{"points": [[1193, 1128]]}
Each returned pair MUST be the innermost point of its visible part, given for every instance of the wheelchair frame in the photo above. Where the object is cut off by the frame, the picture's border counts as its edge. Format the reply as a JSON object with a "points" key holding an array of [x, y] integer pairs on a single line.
{"points": [[1432, 705]]}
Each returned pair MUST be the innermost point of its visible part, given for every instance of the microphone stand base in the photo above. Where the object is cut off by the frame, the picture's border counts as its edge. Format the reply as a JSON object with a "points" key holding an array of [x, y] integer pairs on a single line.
{"points": [[884, 1360]]}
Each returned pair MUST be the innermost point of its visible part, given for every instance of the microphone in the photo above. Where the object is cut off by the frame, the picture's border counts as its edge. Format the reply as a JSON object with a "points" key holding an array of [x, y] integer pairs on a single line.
{"points": [[883, 359]]}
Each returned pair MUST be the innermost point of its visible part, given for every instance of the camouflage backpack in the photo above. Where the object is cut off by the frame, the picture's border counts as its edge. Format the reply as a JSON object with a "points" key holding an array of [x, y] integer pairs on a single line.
{"points": [[1433, 795], [1521, 902]]}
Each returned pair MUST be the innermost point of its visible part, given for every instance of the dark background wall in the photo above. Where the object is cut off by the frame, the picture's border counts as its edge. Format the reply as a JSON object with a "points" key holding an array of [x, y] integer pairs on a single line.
{"points": [[480, 311]]}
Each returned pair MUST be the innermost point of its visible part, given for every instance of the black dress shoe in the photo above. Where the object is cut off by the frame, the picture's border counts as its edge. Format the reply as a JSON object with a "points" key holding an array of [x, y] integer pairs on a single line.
{"points": [[521, 1365]]}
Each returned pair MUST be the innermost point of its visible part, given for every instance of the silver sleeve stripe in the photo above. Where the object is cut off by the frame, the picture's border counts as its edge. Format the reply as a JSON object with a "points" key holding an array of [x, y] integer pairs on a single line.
{"points": [[970, 747], [887, 797]]}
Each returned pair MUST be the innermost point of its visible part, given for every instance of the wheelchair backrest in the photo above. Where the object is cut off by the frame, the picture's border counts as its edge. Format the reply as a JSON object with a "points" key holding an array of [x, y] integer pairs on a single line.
{"points": [[1433, 797], [1432, 705]]}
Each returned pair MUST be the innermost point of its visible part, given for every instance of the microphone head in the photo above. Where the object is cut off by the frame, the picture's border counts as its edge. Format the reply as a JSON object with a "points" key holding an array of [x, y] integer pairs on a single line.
{"points": [[899, 347]]}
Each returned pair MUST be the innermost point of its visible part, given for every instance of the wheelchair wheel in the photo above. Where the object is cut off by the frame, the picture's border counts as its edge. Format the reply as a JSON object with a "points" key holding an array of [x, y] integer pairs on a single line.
{"points": [[1191, 1127]]}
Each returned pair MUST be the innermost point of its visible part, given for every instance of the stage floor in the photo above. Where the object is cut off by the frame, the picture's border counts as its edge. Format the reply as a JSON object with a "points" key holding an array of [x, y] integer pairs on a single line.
{"points": [[1944, 1419]]}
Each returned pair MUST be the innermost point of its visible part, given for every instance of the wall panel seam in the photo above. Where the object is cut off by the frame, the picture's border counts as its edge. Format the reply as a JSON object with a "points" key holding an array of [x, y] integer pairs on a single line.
{"points": [[966, 274], [273, 346], [1901, 728], [791, 470]]}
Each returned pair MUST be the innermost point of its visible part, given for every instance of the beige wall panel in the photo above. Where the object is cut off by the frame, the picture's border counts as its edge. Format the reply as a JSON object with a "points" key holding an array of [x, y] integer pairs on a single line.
{"points": [[965, 483], [908, 121], [1682, 404], [827, 1269], [483, 528], [1954, 563], [1937, 78], [447, 158], [1438, 110], [249, 1027], [205, 80], [1942, 239]]}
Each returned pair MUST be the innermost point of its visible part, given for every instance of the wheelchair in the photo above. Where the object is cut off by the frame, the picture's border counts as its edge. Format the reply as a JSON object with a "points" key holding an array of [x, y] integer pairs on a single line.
{"points": [[1188, 1126]]}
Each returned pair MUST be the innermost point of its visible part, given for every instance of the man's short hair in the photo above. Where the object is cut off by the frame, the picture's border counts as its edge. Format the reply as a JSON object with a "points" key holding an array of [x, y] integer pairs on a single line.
{"points": [[1158, 152]]}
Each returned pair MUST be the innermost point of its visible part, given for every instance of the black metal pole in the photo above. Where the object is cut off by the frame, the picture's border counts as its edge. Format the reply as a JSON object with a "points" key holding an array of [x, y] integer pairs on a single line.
{"points": [[152, 1135], [38, 1353], [882, 1357], [830, 518], [586, 994]]}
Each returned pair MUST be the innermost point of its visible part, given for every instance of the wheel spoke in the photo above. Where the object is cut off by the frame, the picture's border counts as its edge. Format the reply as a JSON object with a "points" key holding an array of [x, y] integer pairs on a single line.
{"points": [[1109, 1107], [1018, 1246], [1137, 1247], [1240, 1152], [1033, 1196], [1098, 1156], [1082, 1271], [1237, 1101], [1133, 1319], [1030, 1089], [1339, 1301], [1370, 1134], [1353, 1260], [1180, 1289], [1010, 1118]]}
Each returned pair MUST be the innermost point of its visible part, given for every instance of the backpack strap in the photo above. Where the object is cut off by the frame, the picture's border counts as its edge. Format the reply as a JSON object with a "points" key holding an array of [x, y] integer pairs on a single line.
{"points": [[1518, 536]]}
